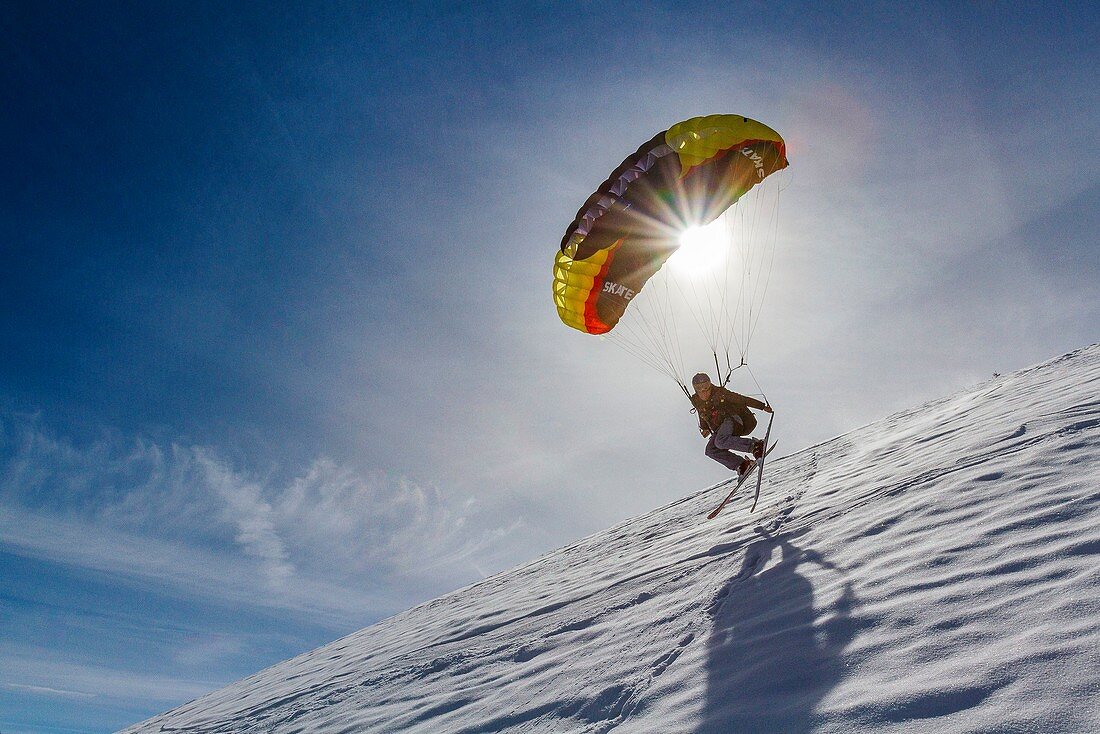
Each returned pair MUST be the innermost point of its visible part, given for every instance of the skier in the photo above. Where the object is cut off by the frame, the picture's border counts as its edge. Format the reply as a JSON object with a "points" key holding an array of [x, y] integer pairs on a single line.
{"points": [[725, 418]]}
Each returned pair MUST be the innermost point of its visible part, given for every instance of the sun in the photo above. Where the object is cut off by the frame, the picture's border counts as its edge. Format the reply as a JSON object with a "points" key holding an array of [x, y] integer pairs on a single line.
{"points": [[702, 249]]}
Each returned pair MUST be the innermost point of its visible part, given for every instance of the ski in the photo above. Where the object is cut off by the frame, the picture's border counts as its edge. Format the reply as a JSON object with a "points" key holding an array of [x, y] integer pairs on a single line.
{"points": [[760, 470], [744, 478]]}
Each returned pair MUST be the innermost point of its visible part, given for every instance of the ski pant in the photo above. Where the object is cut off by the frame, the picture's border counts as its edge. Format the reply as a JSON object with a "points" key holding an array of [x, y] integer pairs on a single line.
{"points": [[725, 441]]}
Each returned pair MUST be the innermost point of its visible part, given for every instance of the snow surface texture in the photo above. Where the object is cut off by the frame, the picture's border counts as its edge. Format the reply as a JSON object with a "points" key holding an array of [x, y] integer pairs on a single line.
{"points": [[936, 571]]}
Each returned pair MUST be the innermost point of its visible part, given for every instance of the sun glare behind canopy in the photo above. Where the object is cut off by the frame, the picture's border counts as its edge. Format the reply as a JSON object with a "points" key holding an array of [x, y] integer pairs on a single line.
{"points": [[702, 249]]}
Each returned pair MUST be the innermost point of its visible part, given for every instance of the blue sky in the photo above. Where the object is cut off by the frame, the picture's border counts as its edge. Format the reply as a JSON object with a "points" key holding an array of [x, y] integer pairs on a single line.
{"points": [[279, 353]]}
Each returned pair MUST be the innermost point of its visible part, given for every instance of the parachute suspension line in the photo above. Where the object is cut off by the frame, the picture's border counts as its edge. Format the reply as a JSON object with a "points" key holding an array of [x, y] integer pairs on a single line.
{"points": [[643, 340], [642, 346], [770, 246], [650, 335], [728, 322], [719, 319], [744, 253], [709, 309], [760, 390], [754, 236], [754, 304], [730, 369], [709, 302], [700, 317], [738, 246], [687, 393], [730, 330], [644, 358], [754, 266], [669, 325], [724, 329]]}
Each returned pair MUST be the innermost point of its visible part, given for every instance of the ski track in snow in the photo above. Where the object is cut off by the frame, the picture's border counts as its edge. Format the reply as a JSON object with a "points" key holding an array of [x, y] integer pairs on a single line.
{"points": [[936, 571]]}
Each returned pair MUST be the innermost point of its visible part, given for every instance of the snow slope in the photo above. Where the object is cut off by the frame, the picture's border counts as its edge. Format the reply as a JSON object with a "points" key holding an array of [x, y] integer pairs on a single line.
{"points": [[936, 571]]}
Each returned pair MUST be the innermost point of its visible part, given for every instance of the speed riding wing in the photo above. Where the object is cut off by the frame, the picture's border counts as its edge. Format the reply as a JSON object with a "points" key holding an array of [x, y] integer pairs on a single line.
{"points": [[685, 176]]}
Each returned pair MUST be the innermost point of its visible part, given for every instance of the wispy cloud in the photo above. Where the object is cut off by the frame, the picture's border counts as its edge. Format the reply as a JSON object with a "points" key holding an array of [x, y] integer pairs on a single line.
{"points": [[41, 673], [47, 691], [327, 540]]}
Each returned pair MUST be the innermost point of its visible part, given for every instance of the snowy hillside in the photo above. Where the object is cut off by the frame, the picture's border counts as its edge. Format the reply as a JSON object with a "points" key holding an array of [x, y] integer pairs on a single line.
{"points": [[937, 571]]}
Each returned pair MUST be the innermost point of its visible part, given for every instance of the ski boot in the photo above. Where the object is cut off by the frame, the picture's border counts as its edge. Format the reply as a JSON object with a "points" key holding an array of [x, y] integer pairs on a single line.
{"points": [[746, 465]]}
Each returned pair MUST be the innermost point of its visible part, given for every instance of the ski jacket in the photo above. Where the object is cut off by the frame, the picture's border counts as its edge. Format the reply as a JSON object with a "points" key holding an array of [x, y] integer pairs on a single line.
{"points": [[725, 404]]}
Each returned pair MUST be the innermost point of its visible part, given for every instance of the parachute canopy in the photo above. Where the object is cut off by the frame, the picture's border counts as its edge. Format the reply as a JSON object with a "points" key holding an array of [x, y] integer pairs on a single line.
{"points": [[684, 177]]}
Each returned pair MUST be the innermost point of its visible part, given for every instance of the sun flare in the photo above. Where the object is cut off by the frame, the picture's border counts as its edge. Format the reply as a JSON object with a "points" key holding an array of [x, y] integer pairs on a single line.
{"points": [[702, 249]]}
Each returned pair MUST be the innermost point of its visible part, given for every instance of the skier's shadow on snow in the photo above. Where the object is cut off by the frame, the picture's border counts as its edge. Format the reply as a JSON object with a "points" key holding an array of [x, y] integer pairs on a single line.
{"points": [[770, 661]]}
